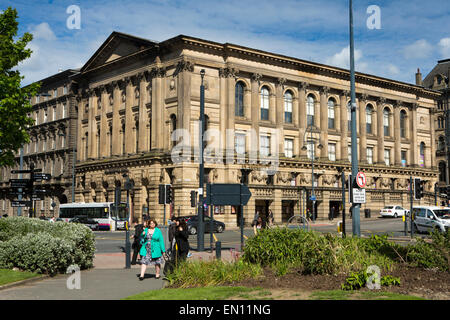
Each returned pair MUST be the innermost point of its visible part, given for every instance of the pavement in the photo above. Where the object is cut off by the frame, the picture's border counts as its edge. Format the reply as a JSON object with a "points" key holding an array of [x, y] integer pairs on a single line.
{"points": [[107, 280]]}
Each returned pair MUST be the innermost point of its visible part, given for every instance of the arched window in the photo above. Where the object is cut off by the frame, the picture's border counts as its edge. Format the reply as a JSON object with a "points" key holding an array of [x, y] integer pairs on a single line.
{"points": [[403, 124], [264, 103], [369, 112], [239, 99], [310, 110], [386, 122], [331, 109], [422, 154], [288, 107]]}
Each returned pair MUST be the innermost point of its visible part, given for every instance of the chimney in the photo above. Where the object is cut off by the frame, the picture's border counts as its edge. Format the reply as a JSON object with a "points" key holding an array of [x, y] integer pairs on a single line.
{"points": [[418, 77]]}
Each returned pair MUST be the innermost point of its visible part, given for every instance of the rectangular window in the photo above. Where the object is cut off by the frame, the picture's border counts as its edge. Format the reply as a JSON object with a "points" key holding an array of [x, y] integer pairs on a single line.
{"points": [[370, 155], [330, 117], [387, 156], [369, 122], [332, 151], [264, 145], [65, 89], [240, 143], [403, 155], [55, 93], [289, 148], [288, 109], [349, 148]]}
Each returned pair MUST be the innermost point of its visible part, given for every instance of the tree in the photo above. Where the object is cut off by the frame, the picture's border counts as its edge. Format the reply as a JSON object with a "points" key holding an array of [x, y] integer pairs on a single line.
{"points": [[15, 105]]}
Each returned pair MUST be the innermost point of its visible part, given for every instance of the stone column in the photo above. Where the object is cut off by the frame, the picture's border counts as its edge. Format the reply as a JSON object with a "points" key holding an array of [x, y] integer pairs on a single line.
{"points": [[414, 153], [116, 125], [324, 122], [92, 125], [301, 116], [433, 140], [81, 105], [223, 113], [103, 123], [344, 125], [157, 108], [130, 142], [397, 136], [362, 129], [184, 95], [254, 138], [380, 131], [279, 110], [143, 116]]}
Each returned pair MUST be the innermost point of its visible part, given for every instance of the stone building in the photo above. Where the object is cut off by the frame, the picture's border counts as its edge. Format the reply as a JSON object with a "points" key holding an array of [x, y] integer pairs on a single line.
{"points": [[438, 79], [138, 103], [50, 147]]}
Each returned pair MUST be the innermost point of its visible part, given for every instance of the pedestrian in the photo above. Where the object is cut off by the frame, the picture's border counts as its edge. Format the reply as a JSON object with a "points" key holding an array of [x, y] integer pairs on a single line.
{"points": [[260, 224], [331, 217], [181, 241], [270, 218], [350, 211], [152, 248], [136, 246], [255, 218]]}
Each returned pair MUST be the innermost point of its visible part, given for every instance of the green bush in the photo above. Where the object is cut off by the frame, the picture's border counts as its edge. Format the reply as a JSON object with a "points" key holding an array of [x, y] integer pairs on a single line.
{"points": [[211, 273], [431, 255], [44, 247], [315, 253], [357, 280]]}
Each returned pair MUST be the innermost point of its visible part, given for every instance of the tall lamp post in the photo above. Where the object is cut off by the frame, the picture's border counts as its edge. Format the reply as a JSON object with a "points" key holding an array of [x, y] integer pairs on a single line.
{"points": [[200, 234], [310, 140]]}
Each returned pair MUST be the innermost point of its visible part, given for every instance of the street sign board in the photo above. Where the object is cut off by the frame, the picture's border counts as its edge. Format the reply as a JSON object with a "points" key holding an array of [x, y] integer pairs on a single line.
{"points": [[25, 171], [37, 197], [361, 179], [41, 176], [359, 195], [313, 198], [21, 203], [223, 194], [19, 183]]}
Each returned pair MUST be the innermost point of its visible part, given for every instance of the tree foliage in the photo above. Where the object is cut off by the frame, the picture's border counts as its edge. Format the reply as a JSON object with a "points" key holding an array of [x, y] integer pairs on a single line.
{"points": [[15, 106]]}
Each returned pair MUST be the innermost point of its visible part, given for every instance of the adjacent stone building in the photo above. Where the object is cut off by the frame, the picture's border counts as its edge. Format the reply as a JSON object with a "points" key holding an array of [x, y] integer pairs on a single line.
{"points": [[133, 94]]}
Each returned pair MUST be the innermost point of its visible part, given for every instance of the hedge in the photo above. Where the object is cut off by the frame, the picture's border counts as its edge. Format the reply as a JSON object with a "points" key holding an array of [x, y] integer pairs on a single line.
{"points": [[44, 247]]}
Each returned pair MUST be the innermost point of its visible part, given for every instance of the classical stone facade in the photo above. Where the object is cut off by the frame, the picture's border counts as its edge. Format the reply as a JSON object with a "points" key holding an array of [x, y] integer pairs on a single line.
{"points": [[133, 94], [438, 79]]}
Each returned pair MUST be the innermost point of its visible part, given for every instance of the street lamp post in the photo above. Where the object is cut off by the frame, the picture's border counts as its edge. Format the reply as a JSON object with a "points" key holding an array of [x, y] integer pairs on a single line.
{"points": [[312, 142], [200, 231]]}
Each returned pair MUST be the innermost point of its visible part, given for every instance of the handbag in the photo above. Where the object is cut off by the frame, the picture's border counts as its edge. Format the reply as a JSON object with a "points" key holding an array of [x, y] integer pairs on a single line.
{"points": [[143, 241]]}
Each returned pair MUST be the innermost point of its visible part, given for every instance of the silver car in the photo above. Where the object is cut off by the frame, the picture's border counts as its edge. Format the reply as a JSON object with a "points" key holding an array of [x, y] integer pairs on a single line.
{"points": [[427, 218]]}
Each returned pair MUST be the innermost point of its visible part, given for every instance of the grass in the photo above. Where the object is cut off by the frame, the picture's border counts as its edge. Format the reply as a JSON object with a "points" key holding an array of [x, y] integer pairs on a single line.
{"points": [[360, 295], [9, 276], [202, 293]]}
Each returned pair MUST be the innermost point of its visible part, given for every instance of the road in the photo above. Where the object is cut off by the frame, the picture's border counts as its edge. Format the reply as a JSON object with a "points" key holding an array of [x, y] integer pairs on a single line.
{"points": [[113, 242]]}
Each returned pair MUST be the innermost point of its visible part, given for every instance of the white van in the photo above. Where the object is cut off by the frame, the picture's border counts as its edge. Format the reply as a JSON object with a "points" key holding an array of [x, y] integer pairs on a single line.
{"points": [[426, 218]]}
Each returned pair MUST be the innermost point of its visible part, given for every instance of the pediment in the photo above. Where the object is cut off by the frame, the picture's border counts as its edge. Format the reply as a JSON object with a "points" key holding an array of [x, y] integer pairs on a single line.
{"points": [[117, 45]]}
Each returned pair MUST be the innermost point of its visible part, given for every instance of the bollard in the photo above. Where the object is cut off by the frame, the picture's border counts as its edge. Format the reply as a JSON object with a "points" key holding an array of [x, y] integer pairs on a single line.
{"points": [[218, 250]]}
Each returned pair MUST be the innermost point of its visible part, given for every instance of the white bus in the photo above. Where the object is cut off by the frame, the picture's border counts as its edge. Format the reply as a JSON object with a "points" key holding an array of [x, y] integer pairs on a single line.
{"points": [[102, 212]]}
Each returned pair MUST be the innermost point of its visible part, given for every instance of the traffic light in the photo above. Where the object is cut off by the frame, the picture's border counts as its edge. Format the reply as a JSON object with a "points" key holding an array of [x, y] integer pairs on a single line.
{"points": [[162, 194], [169, 193], [418, 189], [193, 198]]}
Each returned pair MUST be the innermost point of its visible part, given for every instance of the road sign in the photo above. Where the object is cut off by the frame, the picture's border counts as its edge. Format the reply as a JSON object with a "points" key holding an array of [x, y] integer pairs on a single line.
{"points": [[361, 179], [37, 197], [19, 183], [359, 195], [313, 198], [223, 194], [41, 176], [21, 203], [25, 171]]}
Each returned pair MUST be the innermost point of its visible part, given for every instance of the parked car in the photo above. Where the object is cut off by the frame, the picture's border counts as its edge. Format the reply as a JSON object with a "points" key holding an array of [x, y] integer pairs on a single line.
{"points": [[192, 225], [394, 211], [91, 223], [186, 218], [427, 218]]}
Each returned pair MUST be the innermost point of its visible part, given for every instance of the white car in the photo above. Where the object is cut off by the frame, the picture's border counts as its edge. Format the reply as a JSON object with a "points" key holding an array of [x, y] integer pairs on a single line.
{"points": [[393, 211], [428, 218]]}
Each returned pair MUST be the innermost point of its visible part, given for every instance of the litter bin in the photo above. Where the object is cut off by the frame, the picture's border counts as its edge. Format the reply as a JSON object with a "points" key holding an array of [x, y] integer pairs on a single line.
{"points": [[367, 213]]}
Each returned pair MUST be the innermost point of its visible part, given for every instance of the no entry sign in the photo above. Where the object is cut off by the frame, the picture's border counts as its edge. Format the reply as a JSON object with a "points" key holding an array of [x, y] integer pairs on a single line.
{"points": [[361, 179]]}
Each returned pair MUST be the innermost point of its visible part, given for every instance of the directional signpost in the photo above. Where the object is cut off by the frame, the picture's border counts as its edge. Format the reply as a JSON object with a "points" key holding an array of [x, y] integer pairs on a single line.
{"points": [[25, 187], [222, 194]]}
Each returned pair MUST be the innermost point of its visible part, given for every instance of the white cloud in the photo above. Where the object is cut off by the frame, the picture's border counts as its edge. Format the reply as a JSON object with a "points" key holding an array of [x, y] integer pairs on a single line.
{"points": [[444, 46], [342, 60], [418, 50], [393, 70], [43, 32]]}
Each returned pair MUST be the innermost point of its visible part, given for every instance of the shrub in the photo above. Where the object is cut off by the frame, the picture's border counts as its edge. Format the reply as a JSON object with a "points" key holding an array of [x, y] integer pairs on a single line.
{"points": [[44, 247], [358, 280], [315, 253]]}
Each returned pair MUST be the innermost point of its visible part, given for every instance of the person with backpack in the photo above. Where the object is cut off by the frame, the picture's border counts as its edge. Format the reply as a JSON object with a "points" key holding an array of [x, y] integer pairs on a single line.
{"points": [[136, 246], [152, 248]]}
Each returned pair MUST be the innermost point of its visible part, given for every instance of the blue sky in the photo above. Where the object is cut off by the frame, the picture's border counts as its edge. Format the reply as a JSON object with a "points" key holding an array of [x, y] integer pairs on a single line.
{"points": [[414, 34]]}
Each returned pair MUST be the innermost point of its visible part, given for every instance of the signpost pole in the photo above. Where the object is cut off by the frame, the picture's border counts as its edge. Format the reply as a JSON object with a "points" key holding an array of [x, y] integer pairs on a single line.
{"points": [[200, 233], [31, 214], [242, 226], [411, 211], [343, 203]]}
